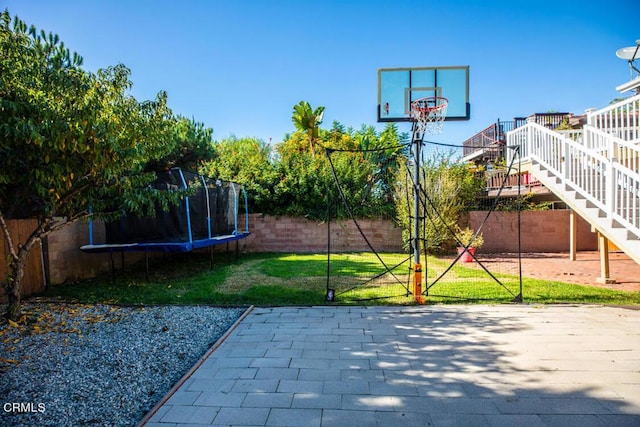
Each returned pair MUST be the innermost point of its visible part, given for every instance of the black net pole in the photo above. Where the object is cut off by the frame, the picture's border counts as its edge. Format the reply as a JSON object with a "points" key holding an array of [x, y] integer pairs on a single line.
{"points": [[519, 207], [410, 227], [329, 293]]}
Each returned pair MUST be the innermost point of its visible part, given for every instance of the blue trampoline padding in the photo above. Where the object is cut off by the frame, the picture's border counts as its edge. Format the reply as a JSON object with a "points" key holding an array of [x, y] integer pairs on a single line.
{"points": [[164, 246]]}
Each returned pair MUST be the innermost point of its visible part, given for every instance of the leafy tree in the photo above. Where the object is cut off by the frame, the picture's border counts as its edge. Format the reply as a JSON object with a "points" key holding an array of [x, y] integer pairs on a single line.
{"points": [[386, 152], [337, 136], [366, 177], [308, 120], [246, 161], [189, 146], [449, 190], [70, 139], [302, 181]]}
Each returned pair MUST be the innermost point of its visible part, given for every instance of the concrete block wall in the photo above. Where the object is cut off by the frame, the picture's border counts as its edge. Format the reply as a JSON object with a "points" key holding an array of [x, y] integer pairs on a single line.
{"points": [[287, 234], [541, 231], [268, 234], [67, 263]]}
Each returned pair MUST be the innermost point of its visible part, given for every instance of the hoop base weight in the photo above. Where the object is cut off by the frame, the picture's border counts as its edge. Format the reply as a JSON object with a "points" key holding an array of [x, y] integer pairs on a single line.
{"points": [[417, 283]]}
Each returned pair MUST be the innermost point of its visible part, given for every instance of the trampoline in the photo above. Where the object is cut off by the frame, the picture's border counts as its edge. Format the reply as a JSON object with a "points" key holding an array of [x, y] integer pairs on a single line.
{"points": [[206, 217]]}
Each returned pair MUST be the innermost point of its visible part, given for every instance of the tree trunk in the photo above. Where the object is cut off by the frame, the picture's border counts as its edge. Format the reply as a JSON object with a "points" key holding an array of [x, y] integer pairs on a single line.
{"points": [[14, 309], [13, 285], [12, 282]]}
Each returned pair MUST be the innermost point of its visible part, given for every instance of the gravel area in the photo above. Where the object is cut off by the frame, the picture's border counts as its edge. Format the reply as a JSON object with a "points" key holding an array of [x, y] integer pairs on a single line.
{"points": [[70, 364]]}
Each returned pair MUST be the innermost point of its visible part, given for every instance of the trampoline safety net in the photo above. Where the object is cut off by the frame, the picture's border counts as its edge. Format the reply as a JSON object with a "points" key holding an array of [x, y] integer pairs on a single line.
{"points": [[208, 215]]}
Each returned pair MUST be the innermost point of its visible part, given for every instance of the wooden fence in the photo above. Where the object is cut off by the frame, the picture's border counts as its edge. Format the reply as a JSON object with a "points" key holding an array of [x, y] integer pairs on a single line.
{"points": [[33, 281]]}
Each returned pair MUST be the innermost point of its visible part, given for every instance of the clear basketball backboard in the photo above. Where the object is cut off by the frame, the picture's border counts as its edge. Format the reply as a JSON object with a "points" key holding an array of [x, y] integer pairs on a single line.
{"points": [[398, 87]]}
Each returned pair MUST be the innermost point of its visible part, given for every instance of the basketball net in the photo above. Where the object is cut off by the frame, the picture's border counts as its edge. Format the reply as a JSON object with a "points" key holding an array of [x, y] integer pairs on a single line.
{"points": [[429, 114]]}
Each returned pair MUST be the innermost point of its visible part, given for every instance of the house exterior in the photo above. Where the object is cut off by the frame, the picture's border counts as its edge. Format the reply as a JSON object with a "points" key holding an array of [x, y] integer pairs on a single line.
{"points": [[487, 151], [588, 164]]}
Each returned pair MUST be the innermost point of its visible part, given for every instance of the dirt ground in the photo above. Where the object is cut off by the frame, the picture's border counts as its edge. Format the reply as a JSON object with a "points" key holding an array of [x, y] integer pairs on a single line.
{"points": [[585, 270]]}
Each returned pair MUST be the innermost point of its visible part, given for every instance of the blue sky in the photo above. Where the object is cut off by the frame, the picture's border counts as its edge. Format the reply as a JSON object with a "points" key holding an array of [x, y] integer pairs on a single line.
{"points": [[239, 66]]}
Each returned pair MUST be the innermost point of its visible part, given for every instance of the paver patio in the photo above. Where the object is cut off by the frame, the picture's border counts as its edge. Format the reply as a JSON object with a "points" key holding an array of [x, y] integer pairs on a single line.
{"points": [[474, 365]]}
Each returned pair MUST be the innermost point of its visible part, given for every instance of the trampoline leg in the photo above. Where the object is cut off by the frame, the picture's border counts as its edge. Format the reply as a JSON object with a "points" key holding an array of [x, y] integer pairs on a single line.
{"points": [[211, 257], [146, 264], [237, 249], [113, 267]]}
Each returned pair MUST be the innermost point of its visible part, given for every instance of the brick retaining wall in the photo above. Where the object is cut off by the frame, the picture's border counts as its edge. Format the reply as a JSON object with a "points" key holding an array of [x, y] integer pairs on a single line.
{"points": [[287, 234], [542, 231], [68, 263]]}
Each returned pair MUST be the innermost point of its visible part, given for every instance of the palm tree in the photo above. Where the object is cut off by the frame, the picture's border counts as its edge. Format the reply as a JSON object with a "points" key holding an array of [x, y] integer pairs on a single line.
{"points": [[308, 120]]}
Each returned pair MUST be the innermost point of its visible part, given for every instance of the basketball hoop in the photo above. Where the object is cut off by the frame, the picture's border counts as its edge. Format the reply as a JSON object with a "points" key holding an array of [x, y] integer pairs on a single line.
{"points": [[429, 114]]}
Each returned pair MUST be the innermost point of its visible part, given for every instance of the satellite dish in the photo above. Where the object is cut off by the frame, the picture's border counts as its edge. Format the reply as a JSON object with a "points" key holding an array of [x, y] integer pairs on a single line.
{"points": [[630, 53]]}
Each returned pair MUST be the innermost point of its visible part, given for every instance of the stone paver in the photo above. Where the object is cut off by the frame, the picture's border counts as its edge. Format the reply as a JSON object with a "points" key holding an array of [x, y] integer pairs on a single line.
{"points": [[499, 365]]}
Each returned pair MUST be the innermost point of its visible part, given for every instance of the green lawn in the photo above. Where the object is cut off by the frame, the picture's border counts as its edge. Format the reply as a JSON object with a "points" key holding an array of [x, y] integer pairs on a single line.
{"points": [[298, 279]]}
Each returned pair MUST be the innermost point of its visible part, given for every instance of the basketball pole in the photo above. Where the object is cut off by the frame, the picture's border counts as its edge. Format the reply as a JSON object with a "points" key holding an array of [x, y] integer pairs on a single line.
{"points": [[417, 267], [428, 114]]}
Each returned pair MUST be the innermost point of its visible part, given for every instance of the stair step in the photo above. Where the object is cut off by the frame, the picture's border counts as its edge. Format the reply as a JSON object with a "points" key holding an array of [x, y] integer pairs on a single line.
{"points": [[570, 193]]}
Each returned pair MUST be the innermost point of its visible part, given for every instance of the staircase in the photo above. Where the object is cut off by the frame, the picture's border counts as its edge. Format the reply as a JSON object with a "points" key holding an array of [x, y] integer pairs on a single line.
{"points": [[596, 172]]}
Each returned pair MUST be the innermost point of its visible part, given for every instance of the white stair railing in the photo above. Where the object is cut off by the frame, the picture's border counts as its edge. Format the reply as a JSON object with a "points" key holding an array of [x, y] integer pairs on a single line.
{"points": [[602, 169], [621, 119]]}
